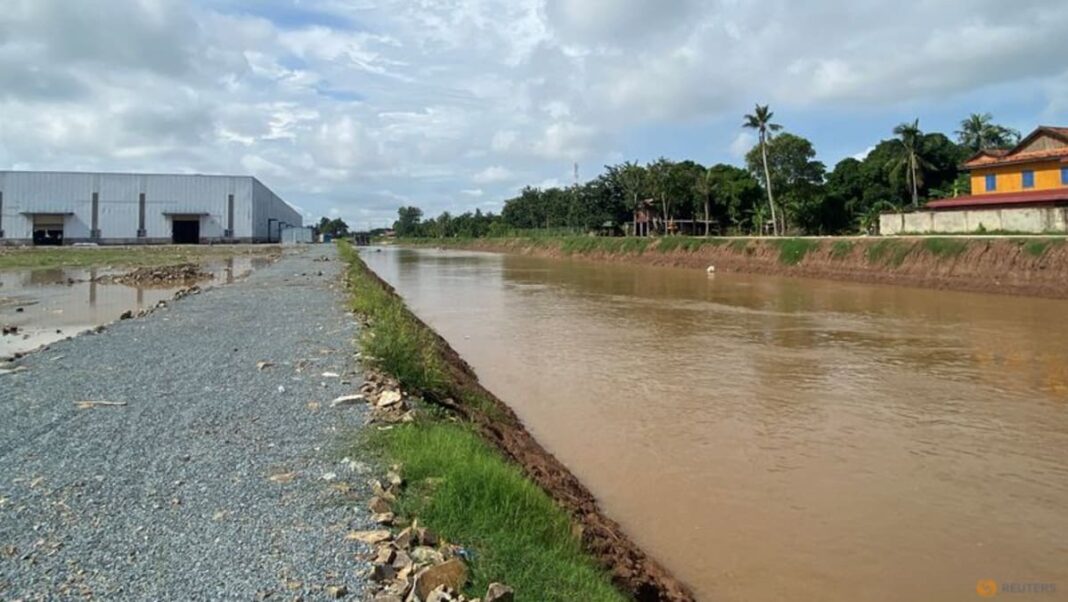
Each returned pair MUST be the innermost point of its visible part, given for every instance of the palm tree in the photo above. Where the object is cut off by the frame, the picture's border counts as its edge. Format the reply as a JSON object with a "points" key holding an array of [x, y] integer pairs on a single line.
{"points": [[911, 160], [979, 132], [760, 120], [704, 187]]}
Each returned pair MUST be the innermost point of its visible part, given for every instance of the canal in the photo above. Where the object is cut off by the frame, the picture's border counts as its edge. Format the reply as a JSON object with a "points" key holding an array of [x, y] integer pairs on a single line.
{"points": [[770, 438]]}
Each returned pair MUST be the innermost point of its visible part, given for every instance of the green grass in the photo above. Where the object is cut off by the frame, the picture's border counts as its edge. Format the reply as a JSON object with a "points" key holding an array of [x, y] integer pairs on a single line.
{"points": [[890, 252], [13, 258], [945, 248], [1037, 247], [465, 490], [841, 249], [458, 485], [793, 250]]}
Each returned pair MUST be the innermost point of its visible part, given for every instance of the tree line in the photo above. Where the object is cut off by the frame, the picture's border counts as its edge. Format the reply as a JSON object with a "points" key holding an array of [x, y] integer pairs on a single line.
{"points": [[782, 189]]}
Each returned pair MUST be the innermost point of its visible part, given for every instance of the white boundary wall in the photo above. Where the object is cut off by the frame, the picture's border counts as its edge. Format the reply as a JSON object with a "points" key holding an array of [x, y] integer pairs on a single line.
{"points": [[1036, 220]]}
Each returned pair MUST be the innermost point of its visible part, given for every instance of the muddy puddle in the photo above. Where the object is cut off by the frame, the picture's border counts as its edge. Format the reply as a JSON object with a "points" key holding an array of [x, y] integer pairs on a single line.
{"points": [[780, 439], [48, 305]]}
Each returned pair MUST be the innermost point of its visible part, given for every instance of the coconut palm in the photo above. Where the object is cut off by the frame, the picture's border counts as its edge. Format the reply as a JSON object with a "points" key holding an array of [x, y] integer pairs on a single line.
{"points": [[979, 132], [760, 120], [912, 161]]}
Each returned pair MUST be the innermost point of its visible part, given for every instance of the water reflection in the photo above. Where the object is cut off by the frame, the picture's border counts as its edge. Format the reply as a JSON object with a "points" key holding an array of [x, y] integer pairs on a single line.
{"points": [[56, 303], [774, 438]]}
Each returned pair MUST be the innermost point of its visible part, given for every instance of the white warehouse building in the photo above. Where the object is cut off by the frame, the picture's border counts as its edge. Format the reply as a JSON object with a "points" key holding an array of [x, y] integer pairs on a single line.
{"points": [[55, 208]]}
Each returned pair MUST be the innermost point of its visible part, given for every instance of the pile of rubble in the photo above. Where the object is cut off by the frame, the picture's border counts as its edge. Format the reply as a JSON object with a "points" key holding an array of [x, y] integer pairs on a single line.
{"points": [[162, 275], [415, 565], [384, 396]]}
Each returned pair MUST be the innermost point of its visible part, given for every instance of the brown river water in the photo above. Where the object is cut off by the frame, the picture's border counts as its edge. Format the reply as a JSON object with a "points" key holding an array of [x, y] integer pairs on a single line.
{"points": [[772, 438]]}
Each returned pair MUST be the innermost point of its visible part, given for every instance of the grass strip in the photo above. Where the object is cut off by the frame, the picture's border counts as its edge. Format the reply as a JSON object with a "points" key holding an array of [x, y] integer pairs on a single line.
{"points": [[458, 484]]}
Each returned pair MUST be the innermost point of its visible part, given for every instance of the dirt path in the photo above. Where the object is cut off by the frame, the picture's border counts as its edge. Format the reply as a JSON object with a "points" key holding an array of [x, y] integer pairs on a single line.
{"points": [[207, 474]]}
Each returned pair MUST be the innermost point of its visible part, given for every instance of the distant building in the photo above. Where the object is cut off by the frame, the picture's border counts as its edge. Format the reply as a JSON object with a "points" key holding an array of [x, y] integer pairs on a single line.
{"points": [[1034, 173], [1023, 189], [56, 208]]}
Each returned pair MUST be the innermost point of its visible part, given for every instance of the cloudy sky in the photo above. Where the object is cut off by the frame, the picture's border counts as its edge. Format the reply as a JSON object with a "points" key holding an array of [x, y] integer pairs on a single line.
{"points": [[354, 107]]}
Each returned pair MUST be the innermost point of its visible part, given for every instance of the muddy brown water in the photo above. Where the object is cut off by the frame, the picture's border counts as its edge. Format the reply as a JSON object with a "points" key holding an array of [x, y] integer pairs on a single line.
{"points": [[57, 303], [772, 438]]}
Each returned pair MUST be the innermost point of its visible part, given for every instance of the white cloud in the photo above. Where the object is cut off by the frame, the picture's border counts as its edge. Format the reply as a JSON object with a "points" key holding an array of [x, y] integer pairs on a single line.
{"points": [[427, 98], [492, 175]]}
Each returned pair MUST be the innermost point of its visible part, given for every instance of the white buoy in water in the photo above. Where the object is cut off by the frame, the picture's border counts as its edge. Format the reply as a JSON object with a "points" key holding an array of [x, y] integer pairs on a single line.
{"points": [[711, 269]]}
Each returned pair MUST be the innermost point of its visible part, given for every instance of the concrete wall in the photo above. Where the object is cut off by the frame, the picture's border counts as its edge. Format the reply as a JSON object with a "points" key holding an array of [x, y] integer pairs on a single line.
{"points": [[269, 213], [118, 206], [1035, 220], [294, 235]]}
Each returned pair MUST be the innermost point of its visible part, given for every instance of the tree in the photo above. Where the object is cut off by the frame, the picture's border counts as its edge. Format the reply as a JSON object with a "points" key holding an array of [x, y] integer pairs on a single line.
{"points": [[760, 120], [408, 222], [335, 228], [910, 159], [794, 173], [660, 181], [979, 132], [703, 187]]}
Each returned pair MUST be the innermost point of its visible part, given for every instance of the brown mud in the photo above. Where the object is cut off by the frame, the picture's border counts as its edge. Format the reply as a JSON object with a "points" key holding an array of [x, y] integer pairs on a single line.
{"points": [[631, 569], [1032, 266]]}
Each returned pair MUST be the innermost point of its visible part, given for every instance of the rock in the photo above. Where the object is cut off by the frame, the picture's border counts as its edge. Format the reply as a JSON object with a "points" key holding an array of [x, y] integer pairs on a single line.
{"points": [[336, 591], [388, 598], [403, 540], [452, 574], [499, 592], [386, 554], [426, 536], [394, 479], [126, 315], [427, 555], [369, 537], [378, 505], [348, 400], [441, 594], [384, 518], [381, 573], [401, 560], [388, 398], [263, 365]]}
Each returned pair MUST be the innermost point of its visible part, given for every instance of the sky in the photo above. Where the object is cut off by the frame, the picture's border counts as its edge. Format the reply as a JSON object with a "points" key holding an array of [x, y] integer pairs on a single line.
{"points": [[353, 108]]}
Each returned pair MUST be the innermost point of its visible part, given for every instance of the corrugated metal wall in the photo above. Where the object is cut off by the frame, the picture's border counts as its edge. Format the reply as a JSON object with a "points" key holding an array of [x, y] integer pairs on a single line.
{"points": [[119, 211]]}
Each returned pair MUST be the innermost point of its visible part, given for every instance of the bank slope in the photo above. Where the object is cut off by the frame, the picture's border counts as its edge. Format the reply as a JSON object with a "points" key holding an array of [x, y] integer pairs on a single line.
{"points": [[1032, 266], [492, 485]]}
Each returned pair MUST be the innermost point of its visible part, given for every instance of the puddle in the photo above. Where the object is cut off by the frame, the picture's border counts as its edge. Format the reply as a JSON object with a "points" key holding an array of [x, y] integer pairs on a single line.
{"points": [[52, 304]]}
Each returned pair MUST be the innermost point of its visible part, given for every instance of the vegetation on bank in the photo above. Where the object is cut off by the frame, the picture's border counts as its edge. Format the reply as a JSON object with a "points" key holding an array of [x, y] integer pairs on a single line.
{"points": [[898, 173], [889, 252], [13, 258], [458, 485]]}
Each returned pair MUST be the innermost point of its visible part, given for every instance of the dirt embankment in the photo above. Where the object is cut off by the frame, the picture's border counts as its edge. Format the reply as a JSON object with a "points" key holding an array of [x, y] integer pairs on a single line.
{"points": [[631, 569], [1017, 266]]}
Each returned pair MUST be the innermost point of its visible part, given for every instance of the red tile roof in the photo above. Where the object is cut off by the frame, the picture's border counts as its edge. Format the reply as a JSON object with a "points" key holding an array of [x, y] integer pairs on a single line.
{"points": [[1007, 199], [987, 157]]}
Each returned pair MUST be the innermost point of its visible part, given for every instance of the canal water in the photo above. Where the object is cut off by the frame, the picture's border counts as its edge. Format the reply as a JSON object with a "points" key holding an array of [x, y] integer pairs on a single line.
{"points": [[771, 438], [47, 305]]}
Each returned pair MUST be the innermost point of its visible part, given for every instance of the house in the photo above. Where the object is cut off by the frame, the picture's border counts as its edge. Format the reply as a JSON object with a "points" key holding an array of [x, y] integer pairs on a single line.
{"points": [[1022, 189], [1033, 174]]}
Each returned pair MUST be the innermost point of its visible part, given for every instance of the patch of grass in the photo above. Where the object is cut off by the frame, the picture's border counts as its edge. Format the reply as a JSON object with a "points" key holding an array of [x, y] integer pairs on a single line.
{"points": [[945, 248], [470, 495], [891, 252], [459, 485], [793, 250], [739, 245], [840, 249], [1037, 247], [14, 258]]}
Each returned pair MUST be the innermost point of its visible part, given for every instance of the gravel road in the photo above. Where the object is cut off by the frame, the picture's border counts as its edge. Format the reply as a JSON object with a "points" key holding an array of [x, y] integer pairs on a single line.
{"points": [[217, 480]]}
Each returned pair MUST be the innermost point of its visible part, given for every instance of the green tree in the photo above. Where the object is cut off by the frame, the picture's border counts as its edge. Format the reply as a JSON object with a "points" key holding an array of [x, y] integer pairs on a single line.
{"points": [[795, 173], [979, 132], [760, 120], [910, 158], [409, 221]]}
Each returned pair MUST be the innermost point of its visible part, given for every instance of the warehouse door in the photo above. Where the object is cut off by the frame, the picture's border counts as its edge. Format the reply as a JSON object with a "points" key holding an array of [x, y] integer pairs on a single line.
{"points": [[48, 230], [185, 231]]}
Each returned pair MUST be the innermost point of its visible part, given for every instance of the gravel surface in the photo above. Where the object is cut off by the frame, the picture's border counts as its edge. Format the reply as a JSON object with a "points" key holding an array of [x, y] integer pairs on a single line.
{"points": [[217, 480]]}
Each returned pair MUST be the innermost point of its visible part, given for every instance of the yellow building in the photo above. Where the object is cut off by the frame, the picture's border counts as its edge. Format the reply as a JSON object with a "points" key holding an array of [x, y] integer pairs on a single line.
{"points": [[1034, 173]]}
